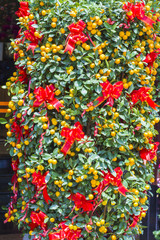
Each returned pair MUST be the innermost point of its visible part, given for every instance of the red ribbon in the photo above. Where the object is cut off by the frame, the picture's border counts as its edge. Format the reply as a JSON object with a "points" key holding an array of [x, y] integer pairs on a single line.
{"points": [[71, 135], [14, 165], [95, 129], [41, 143], [149, 154], [37, 219], [76, 34], [138, 11], [151, 57], [15, 56], [46, 96], [124, 25], [109, 92], [15, 190], [65, 233], [39, 182], [109, 21], [23, 77], [17, 129], [81, 202], [29, 35], [11, 205], [115, 181], [23, 10], [135, 221], [142, 95]]}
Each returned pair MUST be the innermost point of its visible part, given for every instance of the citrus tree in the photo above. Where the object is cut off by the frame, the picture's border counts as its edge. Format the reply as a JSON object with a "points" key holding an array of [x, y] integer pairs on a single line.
{"points": [[82, 116]]}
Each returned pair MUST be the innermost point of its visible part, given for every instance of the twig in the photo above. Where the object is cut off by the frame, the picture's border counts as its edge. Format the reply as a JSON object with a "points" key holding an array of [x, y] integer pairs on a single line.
{"points": [[105, 210]]}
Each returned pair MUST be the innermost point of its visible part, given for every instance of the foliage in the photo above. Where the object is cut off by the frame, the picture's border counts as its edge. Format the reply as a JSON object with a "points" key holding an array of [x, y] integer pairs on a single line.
{"points": [[157, 234], [3, 121], [115, 131]]}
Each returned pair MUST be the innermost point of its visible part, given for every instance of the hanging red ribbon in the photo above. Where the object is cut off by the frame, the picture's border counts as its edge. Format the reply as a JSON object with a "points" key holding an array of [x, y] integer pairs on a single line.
{"points": [[46, 95], [65, 233], [39, 182], [12, 204], [137, 10], [81, 202], [149, 154], [71, 135], [151, 57], [142, 95], [23, 10], [115, 181], [37, 219], [76, 34], [15, 188]]}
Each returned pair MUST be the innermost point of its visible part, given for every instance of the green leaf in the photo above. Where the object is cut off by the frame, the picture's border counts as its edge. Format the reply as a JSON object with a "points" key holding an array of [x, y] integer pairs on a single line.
{"points": [[84, 91], [46, 156], [40, 203], [46, 220], [47, 177], [52, 69], [3, 121], [54, 207], [131, 88]]}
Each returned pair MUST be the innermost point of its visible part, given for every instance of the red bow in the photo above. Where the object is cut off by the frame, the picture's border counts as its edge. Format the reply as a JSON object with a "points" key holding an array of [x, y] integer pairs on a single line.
{"points": [[151, 57], [29, 34], [109, 92], [115, 181], [23, 77], [38, 220], [23, 10], [39, 182], [142, 95], [81, 202], [71, 135], [65, 233], [46, 96], [76, 34], [149, 154], [138, 11]]}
